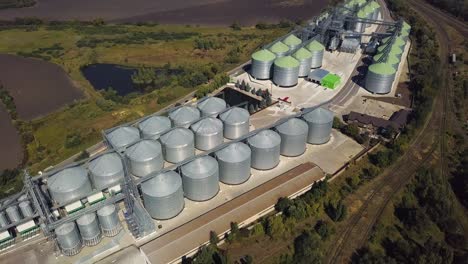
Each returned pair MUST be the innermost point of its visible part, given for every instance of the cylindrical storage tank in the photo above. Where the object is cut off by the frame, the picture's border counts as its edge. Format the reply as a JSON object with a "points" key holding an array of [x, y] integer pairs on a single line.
{"points": [[360, 26], [399, 42], [145, 157], [13, 214], [69, 184], [369, 10], [390, 59], [262, 61], [305, 60], [26, 209], [200, 179], [89, 229], [279, 49], [3, 219], [109, 220], [122, 137], [376, 9], [68, 239], [163, 195], [404, 35], [406, 28], [317, 50], [208, 133], [293, 135], [394, 50], [265, 147], [379, 78], [184, 116], [286, 71], [106, 170], [234, 163], [178, 144], [320, 122], [211, 106], [236, 122], [153, 127], [292, 42]]}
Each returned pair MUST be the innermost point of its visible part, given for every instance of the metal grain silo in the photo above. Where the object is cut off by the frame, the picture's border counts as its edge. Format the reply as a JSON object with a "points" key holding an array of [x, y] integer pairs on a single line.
{"points": [[293, 135], [360, 26], [26, 208], [286, 71], [184, 116], [265, 148], [279, 49], [122, 137], [163, 195], [234, 163], [145, 157], [3, 219], [317, 50], [68, 239], [69, 184], [153, 127], [211, 106], [89, 229], [305, 60], [236, 122], [262, 62], [320, 122], [208, 133], [13, 214], [379, 78], [398, 41], [178, 144], [292, 42], [394, 50], [109, 220], [390, 59], [106, 170], [200, 179]]}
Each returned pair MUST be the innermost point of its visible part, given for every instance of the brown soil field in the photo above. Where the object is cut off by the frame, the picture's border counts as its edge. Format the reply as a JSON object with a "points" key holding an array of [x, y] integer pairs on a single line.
{"points": [[38, 87], [10, 152]]}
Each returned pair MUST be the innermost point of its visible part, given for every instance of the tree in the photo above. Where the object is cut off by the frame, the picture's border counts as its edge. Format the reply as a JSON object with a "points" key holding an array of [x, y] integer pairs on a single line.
{"points": [[242, 85], [83, 155], [214, 239], [337, 124], [258, 230], [251, 109], [248, 88], [336, 210], [236, 26], [283, 204], [72, 140], [237, 85], [323, 229], [253, 91], [275, 226], [306, 248], [247, 259], [268, 101]]}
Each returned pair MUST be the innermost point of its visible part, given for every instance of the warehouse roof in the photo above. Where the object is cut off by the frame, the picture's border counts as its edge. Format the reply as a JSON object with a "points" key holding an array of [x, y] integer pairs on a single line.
{"points": [[317, 75]]}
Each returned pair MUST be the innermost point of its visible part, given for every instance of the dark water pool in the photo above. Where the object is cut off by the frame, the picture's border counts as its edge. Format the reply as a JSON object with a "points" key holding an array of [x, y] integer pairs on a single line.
{"points": [[103, 76]]}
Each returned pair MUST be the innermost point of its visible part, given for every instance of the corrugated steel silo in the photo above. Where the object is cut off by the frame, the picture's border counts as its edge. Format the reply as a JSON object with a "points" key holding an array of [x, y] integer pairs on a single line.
{"points": [[320, 122], [152, 127], [262, 62], [305, 60], [122, 137], [200, 179], [89, 229], [279, 49], [211, 106], [208, 133], [394, 50], [106, 170], [234, 163], [293, 135], [379, 78], [286, 71], [184, 116], [68, 238], [292, 42], [317, 50], [69, 184], [13, 214], [109, 220], [265, 148], [236, 122], [390, 59], [145, 157], [178, 144], [26, 208], [3, 219], [163, 195]]}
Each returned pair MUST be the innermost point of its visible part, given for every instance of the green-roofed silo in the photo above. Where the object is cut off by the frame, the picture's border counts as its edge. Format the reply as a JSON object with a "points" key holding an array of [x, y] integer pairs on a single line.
{"points": [[316, 49], [389, 59], [286, 71], [360, 26], [376, 8], [305, 59], [292, 42], [262, 61], [279, 49], [379, 78], [393, 49]]}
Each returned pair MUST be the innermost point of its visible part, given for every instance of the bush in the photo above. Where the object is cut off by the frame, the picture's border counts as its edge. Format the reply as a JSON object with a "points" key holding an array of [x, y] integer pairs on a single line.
{"points": [[72, 140], [275, 226]]}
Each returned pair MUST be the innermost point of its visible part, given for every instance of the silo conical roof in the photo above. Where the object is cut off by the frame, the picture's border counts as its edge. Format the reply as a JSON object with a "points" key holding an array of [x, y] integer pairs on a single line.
{"points": [[212, 105], [86, 219], [123, 136], [302, 54], [263, 55], [406, 26], [392, 59], [286, 62], [265, 139], [292, 40], [293, 126], [200, 168], [66, 228], [279, 47], [155, 125], [362, 14], [144, 150], [374, 4], [185, 114], [382, 68], [315, 46], [106, 165], [319, 116], [68, 179], [398, 41], [178, 137], [235, 152], [235, 115], [163, 184], [208, 126]]}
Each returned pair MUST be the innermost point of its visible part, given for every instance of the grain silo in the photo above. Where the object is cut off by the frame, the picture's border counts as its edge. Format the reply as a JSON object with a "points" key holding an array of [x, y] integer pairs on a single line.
{"points": [[69, 184], [211, 106], [305, 60], [145, 157], [279, 49], [163, 195], [376, 9], [200, 179], [286, 71], [398, 41], [360, 26], [394, 50], [26, 208], [89, 229], [68, 239], [178, 144], [236, 122], [262, 62], [208, 133], [234, 163], [379, 78], [13, 214], [106, 170], [317, 50], [293, 135], [122, 137], [154, 126], [109, 220], [320, 122], [265, 148], [292, 42], [3, 219], [390, 59], [184, 116]]}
